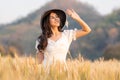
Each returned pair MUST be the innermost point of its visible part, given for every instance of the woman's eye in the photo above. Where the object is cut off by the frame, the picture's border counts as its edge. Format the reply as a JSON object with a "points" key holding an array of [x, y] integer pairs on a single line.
{"points": [[54, 17]]}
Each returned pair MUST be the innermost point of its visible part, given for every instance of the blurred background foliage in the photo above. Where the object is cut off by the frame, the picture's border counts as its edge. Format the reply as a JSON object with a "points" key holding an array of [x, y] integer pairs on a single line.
{"points": [[104, 40]]}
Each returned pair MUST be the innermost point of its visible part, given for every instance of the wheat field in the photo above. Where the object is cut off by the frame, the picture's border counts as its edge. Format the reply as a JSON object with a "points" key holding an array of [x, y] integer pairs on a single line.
{"points": [[27, 68]]}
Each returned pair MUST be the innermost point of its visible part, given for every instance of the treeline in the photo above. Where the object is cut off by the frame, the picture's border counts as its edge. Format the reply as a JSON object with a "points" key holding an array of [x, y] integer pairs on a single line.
{"points": [[106, 36], [9, 51], [100, 42], [23, 32]]}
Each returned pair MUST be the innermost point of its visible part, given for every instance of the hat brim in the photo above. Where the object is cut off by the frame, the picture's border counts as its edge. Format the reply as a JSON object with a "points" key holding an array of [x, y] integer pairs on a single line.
{"points": [[59, 12]]}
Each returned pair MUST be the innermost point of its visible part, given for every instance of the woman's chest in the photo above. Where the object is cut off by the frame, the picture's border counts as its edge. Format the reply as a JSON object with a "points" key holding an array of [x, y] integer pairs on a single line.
{"points": [[60, 45]]}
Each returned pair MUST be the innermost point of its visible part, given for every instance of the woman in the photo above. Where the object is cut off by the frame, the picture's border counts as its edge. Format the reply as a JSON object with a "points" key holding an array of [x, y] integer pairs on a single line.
{"points": [[52, 45]]}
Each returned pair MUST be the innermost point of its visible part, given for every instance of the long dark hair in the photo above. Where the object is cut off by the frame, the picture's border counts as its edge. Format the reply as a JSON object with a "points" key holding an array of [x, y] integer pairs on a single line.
{"points": [[46, 31]]}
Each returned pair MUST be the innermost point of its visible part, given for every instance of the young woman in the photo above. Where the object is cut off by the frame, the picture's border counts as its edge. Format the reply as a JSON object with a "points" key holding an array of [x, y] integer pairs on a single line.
{"points": [[53, 43]]}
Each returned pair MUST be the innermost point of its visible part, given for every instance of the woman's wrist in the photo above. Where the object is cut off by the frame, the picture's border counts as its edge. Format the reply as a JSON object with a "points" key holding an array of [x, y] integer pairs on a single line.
{"points": [[78, 20]]}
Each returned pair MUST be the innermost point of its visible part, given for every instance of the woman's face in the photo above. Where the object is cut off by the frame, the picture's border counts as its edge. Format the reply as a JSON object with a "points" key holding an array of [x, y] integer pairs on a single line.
{"points": [[54, 20]]}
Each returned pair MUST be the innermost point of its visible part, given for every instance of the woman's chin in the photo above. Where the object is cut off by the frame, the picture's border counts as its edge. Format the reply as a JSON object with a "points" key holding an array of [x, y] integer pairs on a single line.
{"points": [[57, 25]]}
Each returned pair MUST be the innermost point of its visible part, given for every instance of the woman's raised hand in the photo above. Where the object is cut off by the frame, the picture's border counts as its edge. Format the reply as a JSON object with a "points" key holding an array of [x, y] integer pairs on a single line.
{"points": [[72, 14]]}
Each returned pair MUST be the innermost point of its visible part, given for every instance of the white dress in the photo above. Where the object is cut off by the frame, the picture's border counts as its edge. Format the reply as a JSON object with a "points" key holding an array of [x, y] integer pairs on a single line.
{"points": [[57, 50]]}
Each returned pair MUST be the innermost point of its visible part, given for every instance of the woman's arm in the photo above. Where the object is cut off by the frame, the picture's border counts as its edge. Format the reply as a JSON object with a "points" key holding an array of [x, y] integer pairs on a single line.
{"points": [[85, 28]]}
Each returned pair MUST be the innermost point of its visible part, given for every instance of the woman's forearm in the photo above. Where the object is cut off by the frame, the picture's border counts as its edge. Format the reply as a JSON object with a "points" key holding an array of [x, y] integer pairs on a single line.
{"points": [[83, 24], [85, 28]]}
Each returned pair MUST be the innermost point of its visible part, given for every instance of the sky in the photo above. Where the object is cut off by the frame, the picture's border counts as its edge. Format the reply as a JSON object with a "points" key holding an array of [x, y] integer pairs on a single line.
{"points": [[11, 10]]}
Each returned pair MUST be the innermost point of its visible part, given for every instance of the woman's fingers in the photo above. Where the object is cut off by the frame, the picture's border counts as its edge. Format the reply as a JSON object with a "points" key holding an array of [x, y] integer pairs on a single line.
{"points": [[69, 12], [72, 10]]}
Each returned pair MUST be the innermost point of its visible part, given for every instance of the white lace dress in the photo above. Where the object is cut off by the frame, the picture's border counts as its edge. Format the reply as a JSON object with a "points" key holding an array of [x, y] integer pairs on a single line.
{"points": [[57, 50]]}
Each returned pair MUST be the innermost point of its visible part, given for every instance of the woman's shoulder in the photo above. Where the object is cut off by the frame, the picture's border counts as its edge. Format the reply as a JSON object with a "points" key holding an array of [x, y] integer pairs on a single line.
{"points": [[67, 31], [70, 34]]}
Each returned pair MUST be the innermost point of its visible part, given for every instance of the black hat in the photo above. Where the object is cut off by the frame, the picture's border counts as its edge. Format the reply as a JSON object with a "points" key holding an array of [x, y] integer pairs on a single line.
{"points": [[59, 12]]}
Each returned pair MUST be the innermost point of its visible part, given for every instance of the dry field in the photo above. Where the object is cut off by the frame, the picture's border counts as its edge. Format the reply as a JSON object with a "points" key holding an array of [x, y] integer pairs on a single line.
{"points": [[26, 68]]}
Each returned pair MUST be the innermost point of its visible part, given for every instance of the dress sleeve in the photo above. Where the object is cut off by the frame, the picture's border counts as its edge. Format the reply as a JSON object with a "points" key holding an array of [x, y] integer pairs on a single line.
{"points": [[70, 34]]}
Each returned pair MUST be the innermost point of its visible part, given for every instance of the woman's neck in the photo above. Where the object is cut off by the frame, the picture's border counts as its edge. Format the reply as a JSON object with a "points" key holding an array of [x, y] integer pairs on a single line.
{"points": [[55, 31]]}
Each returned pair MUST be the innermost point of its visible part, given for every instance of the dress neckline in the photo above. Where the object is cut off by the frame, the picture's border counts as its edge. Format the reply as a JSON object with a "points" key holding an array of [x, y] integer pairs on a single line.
{"points": [[57, 39]]}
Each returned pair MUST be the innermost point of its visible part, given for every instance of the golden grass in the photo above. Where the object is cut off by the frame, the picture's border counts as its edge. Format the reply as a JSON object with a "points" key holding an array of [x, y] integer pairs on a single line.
{"points": [[26, 68]]}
